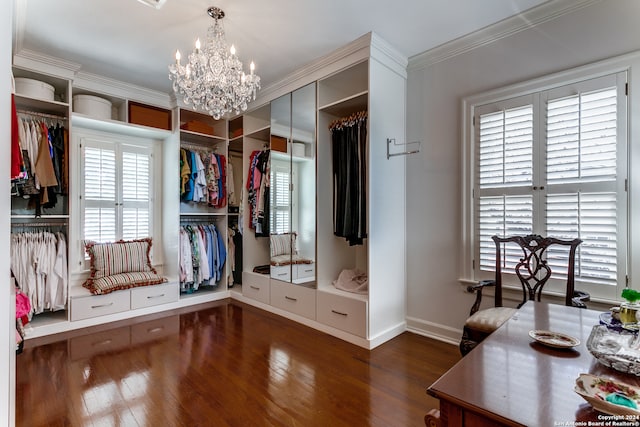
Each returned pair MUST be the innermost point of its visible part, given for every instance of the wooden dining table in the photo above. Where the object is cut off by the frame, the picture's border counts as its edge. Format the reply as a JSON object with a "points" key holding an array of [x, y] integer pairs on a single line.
{"points": [[512, 380]]}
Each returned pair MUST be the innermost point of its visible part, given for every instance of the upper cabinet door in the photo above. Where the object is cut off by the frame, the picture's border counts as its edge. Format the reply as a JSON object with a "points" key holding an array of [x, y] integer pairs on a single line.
{"points": [[293, 186]]}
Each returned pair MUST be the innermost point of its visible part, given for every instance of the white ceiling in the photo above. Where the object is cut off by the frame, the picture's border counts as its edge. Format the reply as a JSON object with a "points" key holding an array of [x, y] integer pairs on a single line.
{"points": [[128, 41]]}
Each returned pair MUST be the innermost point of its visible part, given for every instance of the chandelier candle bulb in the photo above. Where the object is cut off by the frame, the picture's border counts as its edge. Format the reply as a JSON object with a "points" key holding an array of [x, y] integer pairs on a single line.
{"points": [[213, 78]]}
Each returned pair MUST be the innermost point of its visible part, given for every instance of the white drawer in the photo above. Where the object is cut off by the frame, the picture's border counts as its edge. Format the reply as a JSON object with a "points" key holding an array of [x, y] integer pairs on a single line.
{"points": [[256, 287], [147, 296], [281, 272], [155, 329], [86, 307], [343, 312], [98, 343], [305, 270], [294, 298]]}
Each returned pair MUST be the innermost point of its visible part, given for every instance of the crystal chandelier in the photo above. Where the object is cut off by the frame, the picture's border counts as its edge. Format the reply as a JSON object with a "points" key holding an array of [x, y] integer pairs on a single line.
{"points": [[213, 78]]}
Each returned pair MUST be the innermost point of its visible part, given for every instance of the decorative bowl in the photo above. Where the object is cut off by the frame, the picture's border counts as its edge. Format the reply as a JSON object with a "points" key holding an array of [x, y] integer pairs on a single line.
{"points": [[619, 350], [609, 396]]}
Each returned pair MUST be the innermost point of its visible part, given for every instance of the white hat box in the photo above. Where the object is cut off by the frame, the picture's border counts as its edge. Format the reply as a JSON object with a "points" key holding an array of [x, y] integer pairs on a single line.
{"points": [[92, 106], [297, 149], [34, 89]]}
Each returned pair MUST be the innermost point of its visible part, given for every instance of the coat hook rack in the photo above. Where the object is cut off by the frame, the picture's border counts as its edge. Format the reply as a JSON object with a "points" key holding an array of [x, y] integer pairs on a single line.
{"points": [[391, 141]]}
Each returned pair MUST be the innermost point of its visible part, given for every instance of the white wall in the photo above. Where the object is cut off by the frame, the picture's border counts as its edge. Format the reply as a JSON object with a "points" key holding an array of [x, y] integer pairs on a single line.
{"points": [[437, 302], [7, 306]]}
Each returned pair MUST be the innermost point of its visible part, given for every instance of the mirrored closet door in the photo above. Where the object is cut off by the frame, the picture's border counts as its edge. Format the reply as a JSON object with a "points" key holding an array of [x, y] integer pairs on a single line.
{"points": [[293, 186]]}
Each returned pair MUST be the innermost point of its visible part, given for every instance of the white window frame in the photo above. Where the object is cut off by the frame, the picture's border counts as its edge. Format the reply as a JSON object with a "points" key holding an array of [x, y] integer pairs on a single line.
{"points": [[83, 137], [631, 249]]}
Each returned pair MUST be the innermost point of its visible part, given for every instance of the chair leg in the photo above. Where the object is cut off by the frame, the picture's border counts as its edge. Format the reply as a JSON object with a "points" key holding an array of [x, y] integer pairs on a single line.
{"points": [[432, 419], [466, 343]]}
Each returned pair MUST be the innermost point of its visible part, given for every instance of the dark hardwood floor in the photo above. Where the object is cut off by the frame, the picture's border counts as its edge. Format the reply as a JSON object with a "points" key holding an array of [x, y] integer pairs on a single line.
{"points": [[226, 364]]}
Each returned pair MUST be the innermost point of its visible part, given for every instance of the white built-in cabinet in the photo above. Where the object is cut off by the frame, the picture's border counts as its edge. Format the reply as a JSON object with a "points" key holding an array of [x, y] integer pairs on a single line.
{"points": [[372, 78], [366, 75]]}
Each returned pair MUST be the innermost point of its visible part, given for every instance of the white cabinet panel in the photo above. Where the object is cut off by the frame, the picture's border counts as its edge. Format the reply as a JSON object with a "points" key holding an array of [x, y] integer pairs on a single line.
{"points": [[281, 272], [99, 305], [296, 299], [256, 287], [147, 296], [343, 312]]}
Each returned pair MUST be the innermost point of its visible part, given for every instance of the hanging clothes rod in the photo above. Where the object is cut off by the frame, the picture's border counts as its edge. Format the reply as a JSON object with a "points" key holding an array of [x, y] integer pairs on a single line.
{"points": [[43, 115], [38, 224], [200, 220], [348, 121], [391, 141], [194, 147]]}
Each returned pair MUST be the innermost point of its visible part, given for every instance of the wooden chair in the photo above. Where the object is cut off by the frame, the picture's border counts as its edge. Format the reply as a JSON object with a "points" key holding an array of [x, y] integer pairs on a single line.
{"points": [[533, 272]]}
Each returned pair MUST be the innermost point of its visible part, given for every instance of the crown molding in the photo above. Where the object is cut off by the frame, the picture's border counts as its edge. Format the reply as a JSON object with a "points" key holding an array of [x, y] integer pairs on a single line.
{"points": [[33, 60], [391, 56], [317, 69], [507, 27]]}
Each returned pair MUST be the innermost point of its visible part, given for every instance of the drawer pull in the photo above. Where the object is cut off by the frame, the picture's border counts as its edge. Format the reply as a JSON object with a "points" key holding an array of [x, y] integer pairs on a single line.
{"points": [[338, 312], [101, 343], [309, 271], [255, 288], [282, 274], [155, 296], [154, 330], [290, 298], [102, 305]]}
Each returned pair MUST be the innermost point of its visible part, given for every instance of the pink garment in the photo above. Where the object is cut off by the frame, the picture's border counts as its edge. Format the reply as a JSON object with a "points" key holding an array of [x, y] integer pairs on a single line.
{"points": [[352, 281]]}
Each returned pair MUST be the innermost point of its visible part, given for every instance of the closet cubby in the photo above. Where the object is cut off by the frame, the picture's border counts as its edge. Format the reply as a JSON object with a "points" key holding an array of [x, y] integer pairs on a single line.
{"points": [[42, 101], [91, 105], [255, 250], [347, 86]]}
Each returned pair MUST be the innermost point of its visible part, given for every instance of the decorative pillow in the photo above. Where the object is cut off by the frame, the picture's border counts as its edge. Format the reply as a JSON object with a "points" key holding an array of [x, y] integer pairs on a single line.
{"points": [[120, 257], [283, 244], [114, 282]]}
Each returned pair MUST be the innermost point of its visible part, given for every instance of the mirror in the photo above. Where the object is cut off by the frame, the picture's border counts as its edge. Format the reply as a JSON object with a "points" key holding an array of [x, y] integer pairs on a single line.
{"points": [[293, 186]]}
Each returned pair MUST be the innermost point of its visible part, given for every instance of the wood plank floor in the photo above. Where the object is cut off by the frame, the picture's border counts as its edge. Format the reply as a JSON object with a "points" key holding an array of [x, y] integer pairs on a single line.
{"points": [[226, 364]]}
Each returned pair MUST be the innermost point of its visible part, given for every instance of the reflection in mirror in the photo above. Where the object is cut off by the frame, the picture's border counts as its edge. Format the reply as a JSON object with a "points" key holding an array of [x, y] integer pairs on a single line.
{"points": [[293, 187]]}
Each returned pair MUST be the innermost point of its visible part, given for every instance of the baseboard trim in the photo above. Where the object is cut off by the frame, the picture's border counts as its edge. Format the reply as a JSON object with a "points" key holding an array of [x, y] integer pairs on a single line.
{"points": [[436, 331]]}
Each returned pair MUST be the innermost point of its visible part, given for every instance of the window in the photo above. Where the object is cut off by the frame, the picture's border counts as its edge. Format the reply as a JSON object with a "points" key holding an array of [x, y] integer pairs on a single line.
{"points": [[116, 190], [280, 198], [553, 162]]}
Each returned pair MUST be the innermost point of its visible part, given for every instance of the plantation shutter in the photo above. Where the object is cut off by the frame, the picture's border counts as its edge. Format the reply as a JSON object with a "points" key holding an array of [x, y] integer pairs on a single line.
{"points": [[505, 174], [135, 195], [554, 163], [280, 200], [582, 178], [99, 177], [116, 191]]}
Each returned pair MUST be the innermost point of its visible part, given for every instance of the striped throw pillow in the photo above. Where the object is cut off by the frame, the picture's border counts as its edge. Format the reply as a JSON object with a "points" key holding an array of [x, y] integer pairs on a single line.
{"points": [[108, 259], [283, 244]]}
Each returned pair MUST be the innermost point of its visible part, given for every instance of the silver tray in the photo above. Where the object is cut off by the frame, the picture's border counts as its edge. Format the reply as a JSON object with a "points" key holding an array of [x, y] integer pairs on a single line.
{"points": [[615, 349]]}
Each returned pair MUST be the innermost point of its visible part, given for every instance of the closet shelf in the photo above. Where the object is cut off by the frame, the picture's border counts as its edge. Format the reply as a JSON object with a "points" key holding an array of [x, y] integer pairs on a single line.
{"points": [[41, 106], [262, 133], [44, 216], [347, 105]]}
